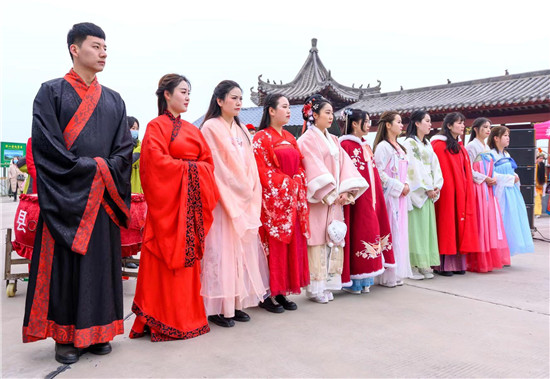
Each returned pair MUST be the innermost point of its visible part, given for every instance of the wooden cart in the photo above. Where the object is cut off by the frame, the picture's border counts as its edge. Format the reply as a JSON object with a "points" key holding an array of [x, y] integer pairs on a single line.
{"points": [[11, 278]]}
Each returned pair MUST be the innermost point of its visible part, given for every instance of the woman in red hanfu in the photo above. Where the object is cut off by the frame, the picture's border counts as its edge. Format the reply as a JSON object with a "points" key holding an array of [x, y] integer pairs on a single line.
{"points": [[175, 154], [456, 210], [368, 249], [285, 210]]}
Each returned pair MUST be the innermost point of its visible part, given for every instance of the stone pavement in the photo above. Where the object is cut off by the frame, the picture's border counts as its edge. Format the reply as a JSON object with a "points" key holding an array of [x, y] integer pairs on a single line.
{"points": [[476, 325]]}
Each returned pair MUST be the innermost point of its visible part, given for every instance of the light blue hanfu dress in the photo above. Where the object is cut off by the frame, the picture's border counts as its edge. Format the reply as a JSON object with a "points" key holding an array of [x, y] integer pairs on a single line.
{"points": [[512, 205]]}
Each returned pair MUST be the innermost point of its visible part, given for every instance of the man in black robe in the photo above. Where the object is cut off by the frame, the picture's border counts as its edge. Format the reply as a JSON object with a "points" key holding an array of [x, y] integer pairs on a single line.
{"points": [[82, 150]]}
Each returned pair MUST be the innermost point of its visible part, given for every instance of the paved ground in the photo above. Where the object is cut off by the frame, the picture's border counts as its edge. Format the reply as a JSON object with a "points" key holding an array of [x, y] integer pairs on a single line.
{"points": [[477, 325]]}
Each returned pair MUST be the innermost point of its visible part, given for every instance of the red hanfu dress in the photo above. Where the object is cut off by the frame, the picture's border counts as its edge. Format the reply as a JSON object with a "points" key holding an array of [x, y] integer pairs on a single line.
{"points": [[455, 211], [285, 210], [177, 176], [368, 248]]}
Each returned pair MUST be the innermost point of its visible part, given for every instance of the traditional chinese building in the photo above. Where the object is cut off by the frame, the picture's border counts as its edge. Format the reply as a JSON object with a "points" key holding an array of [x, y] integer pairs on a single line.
{"points": [[517, 98], [312, 78]]}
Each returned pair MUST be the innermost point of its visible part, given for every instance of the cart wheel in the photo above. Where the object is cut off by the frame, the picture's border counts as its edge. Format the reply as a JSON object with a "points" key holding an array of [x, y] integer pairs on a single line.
{"points": [[10, 290]]}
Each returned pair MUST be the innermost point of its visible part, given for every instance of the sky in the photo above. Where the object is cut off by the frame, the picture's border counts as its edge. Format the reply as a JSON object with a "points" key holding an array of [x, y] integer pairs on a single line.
{"points": [[401, 43]]}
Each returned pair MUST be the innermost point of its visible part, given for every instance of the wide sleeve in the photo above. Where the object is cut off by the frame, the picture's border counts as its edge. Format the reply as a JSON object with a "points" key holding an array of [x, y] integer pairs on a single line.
{"points": [[437, 174], [351, 181], [384, 156], [186, 186], [473, 153], [238, 184], [279, 191], [417, 177], [64, 180], [503, 180], [321, 184]]}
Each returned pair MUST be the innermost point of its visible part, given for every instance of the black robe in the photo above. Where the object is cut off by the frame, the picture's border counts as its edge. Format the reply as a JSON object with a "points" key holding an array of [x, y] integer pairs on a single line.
{"points": [[84, 303]]}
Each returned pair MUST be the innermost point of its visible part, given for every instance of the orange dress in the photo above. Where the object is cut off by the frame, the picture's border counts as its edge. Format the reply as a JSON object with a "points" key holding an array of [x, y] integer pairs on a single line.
{"points": [[177, 176]]}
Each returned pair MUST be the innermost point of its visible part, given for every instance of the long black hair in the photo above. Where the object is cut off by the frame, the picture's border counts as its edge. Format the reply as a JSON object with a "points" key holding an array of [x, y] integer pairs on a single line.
{"points": [[271, 101], [478, 122], [448, 121], [382, 135], [220, 92], [354, 115], [412, 130]]}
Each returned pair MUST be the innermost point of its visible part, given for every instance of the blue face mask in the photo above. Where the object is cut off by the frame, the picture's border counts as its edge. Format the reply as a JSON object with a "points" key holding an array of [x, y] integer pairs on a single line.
{"points": [[135, 134]]}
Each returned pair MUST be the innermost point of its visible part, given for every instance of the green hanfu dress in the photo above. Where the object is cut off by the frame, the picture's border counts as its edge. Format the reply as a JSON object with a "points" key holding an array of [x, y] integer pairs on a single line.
{"points": [[424, 174]]}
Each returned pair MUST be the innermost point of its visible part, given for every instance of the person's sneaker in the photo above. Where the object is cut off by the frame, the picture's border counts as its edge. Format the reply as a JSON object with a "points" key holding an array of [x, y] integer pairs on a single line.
{"points": [[399, 282], [271, 305], [460, 272], [365, 289], [321, 299], [349, 290], [329, 295], [389, 285], [66, 353], [427, 272], [416, 275], [131, 265], [287, 304], [444, 273]]}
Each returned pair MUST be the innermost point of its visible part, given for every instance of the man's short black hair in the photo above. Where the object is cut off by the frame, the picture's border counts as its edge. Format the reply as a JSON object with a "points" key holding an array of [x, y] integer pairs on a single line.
{"points": [[79, 32]]}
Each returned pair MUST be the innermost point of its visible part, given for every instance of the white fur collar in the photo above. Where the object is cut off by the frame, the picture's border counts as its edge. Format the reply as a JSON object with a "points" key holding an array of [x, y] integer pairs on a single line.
{"points": [[441, 137], [351, 137]]}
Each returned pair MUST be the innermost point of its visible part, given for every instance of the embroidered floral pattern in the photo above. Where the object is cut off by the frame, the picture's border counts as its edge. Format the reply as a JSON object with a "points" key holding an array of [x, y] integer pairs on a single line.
{"points": [[357, 160], [370, 251], [282, 195]]}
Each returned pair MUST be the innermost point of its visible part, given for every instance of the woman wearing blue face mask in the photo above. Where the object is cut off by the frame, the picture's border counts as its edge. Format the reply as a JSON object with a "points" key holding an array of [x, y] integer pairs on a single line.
{"points": [[133, 124], [131, 238]]}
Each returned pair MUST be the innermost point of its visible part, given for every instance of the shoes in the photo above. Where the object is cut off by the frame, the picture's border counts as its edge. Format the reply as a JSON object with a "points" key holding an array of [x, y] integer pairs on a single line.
{"points": [[271, 305], [444, 273], [399, 282], [221, 321], [461, 272], [287, 304], [365, 289], [241, 316], [416, 275], [321, 299], [426, 272], [131, 265], [389, 285], [66, 353], [349, 290], [329, 295], [100, 348]]}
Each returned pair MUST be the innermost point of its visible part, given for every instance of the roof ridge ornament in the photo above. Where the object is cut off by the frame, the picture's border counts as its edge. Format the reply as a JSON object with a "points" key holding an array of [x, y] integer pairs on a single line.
{"points": [[313, 46]]}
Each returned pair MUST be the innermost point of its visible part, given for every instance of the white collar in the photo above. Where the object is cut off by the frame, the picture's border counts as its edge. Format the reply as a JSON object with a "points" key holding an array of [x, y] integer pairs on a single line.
{"points": [[327, 137], [439, 137], [351, 137]]}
